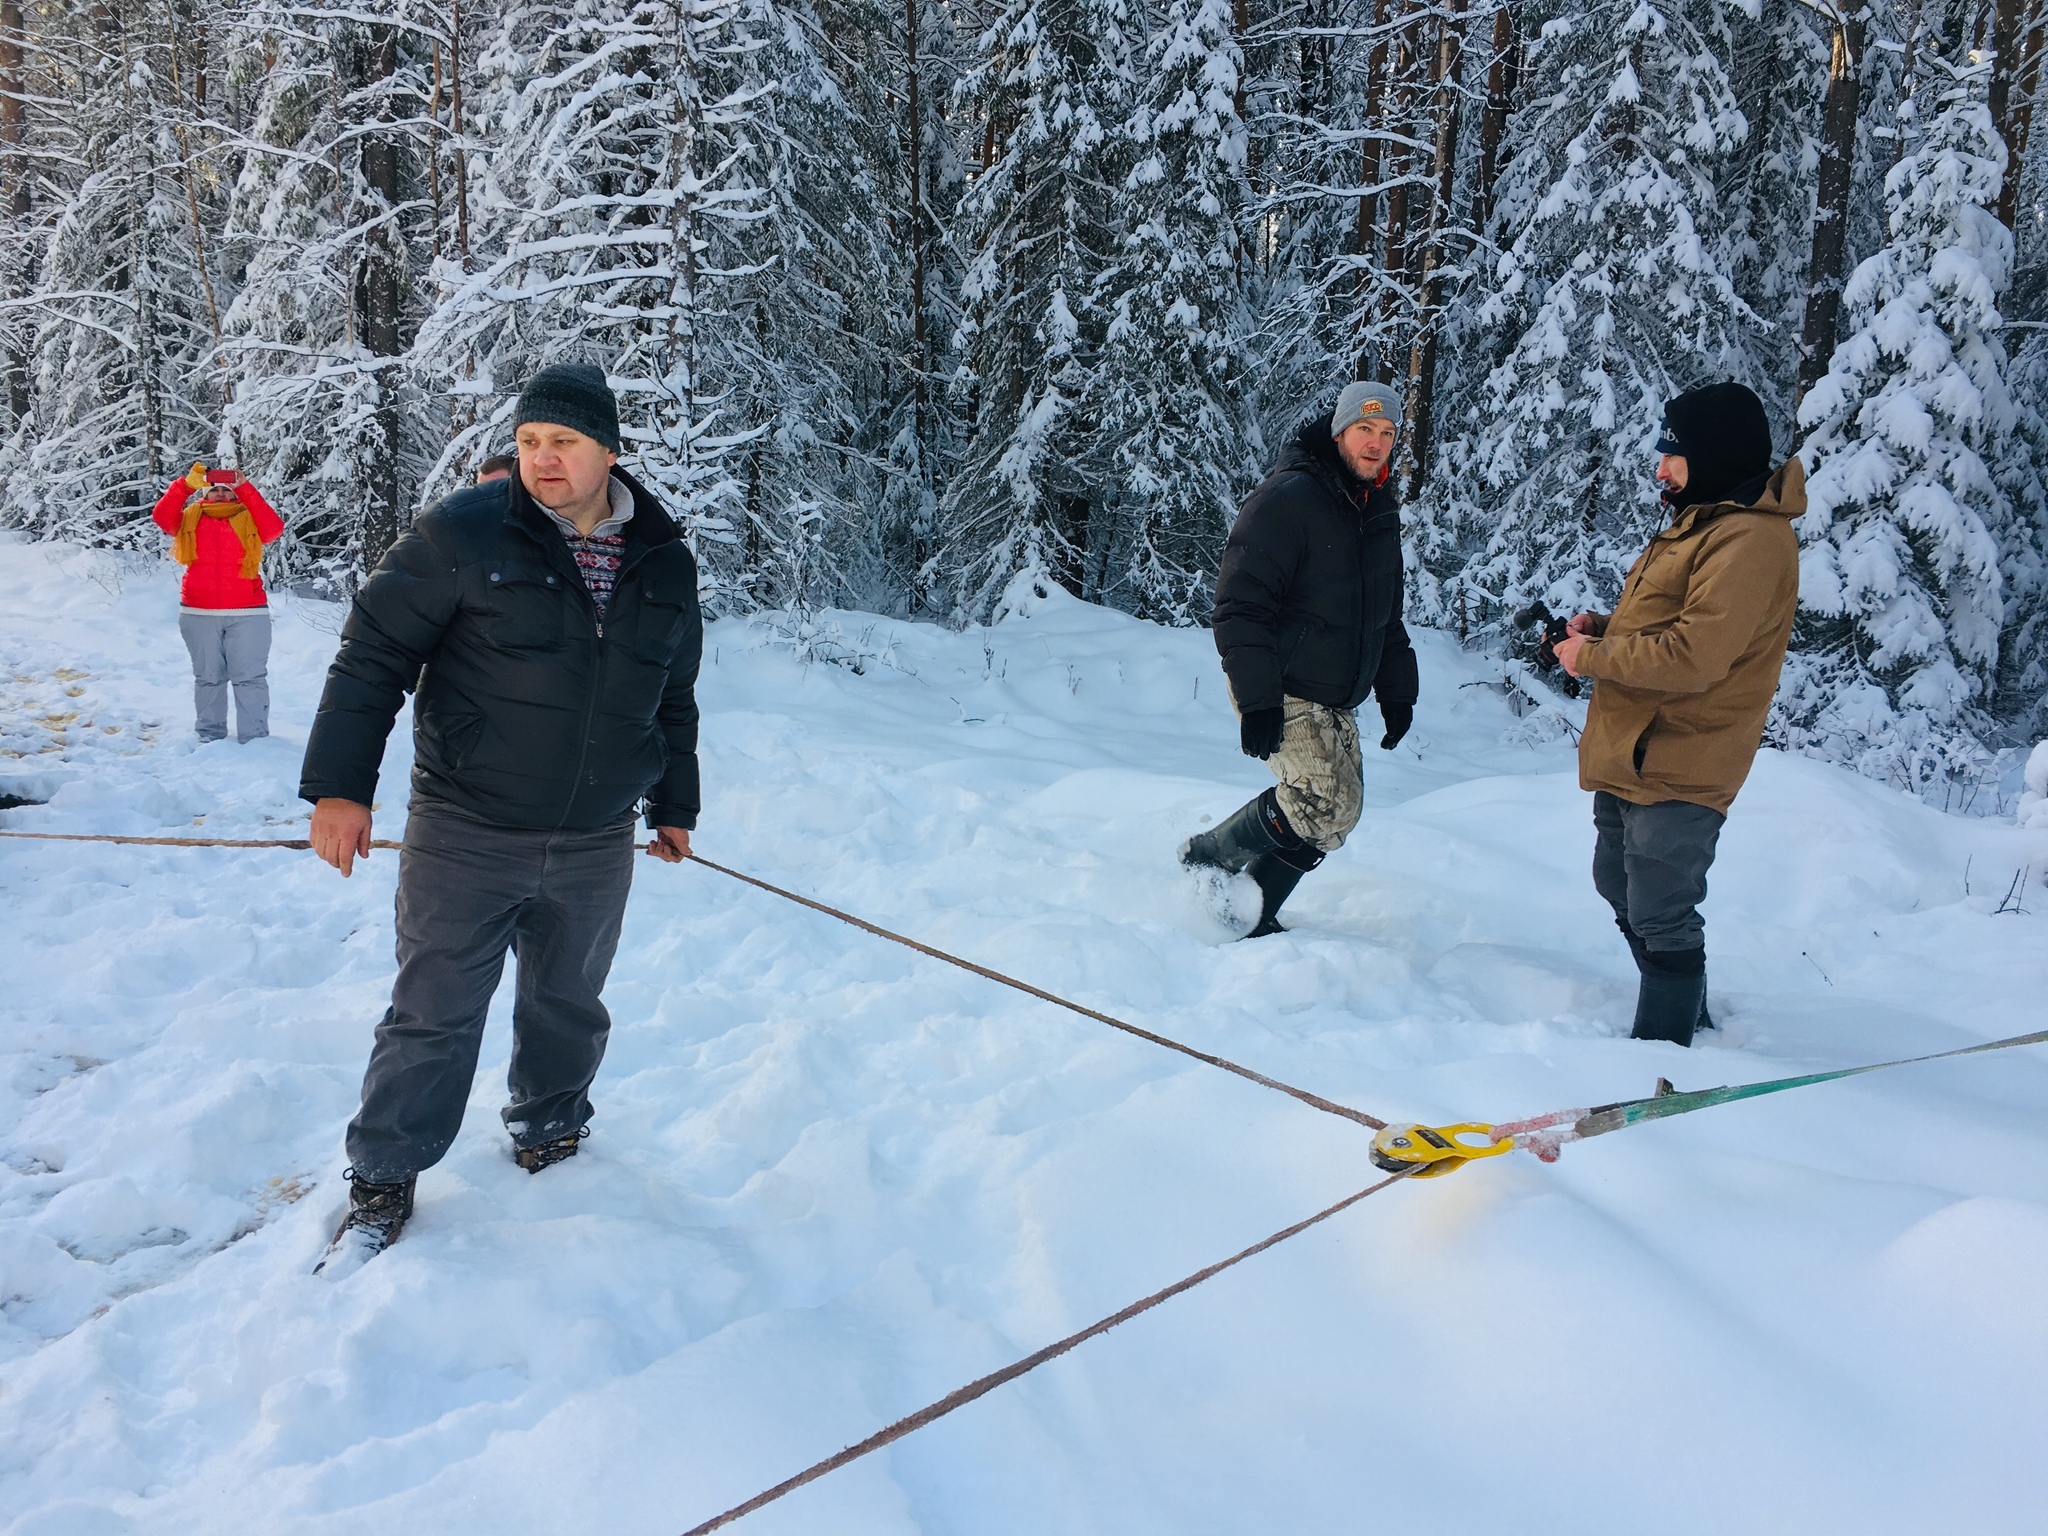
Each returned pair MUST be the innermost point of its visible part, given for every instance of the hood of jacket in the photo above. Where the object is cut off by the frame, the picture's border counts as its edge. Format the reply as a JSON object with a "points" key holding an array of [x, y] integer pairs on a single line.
{"points": [[1781, 493], [1313, 451]]}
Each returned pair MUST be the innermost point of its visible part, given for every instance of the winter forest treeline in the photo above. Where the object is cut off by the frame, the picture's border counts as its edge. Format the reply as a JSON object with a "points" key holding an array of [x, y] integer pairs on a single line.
{"points": [[904, 296]]}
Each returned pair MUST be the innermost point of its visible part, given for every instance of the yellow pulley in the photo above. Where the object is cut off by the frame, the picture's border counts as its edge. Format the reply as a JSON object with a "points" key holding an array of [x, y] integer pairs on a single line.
{"points": [[1431, 1151]]}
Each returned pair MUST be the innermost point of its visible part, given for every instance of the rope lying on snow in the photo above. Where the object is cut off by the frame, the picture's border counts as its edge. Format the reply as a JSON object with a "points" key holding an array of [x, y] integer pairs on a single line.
{"points": [[1313, 1100], [986, 1384]]}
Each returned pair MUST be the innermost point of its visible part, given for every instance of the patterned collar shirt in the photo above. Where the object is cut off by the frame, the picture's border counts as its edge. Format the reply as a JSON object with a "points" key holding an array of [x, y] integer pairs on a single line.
{"points": [[599, 555]]}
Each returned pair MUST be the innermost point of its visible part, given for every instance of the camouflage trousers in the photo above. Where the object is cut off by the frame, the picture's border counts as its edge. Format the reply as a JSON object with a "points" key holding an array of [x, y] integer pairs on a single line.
{"points": [[1322, 780]]}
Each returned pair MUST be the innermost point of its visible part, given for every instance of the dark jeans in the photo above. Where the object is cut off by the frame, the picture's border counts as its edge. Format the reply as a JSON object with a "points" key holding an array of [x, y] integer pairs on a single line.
{"points": [[467, 892], [1651, 861]]}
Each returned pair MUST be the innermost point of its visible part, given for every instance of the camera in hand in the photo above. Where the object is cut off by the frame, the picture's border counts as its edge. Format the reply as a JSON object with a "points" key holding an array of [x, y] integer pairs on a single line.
{"points": [[1554, 630]]}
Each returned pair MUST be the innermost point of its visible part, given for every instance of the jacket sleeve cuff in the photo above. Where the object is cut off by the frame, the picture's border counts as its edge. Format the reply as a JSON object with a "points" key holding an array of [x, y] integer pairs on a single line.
{"points": [[313, 792], [659, 816]]}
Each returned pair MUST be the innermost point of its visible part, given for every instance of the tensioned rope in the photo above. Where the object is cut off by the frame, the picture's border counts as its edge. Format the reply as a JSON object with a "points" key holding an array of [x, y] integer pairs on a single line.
{"points": [[300, 843], [1313, 1100], [983, 1385]]}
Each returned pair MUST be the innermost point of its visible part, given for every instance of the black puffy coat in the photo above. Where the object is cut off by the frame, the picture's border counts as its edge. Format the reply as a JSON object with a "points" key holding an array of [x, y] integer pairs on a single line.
{"points": [[531, 712], [1308, 602]]}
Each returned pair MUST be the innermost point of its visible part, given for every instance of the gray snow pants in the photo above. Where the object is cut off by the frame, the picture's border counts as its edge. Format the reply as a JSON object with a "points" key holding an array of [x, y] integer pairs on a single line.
{"points": [[1650, 862], [229, 648], [467, 892]]}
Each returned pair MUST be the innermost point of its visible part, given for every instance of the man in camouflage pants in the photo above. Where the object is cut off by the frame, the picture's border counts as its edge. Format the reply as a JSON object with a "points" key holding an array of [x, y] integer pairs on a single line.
{"points": [[1308, 622]]}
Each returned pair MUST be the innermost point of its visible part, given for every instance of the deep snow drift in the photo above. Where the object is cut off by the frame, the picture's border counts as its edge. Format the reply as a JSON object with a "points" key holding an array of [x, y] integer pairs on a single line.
{"points": [[830, 1180]]}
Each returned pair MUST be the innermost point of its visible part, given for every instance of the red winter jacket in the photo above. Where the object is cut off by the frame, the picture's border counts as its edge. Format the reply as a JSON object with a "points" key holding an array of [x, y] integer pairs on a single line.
{"points": [[215, 579]]}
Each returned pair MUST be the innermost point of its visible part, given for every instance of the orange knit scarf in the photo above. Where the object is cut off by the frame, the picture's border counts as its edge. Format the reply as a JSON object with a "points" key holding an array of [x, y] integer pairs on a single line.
{"points": [[185, 547]]}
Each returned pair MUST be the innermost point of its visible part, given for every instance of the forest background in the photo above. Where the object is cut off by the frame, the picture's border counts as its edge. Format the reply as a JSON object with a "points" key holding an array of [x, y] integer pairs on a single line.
{"points": [[905, 297]]}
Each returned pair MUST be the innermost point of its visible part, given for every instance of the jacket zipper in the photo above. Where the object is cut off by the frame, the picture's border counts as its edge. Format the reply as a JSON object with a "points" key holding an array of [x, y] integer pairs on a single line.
{"points": [[589, 714], [590, 701], [596, 682]]}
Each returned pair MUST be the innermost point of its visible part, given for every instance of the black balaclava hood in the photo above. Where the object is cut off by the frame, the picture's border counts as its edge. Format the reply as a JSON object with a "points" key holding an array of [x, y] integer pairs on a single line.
{"points": [[1726, 440]]}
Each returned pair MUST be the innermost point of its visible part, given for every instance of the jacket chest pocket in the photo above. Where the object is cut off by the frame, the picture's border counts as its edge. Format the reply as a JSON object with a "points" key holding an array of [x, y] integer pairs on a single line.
{"points": [[660, 624], [1656, 589], [525, 608]]}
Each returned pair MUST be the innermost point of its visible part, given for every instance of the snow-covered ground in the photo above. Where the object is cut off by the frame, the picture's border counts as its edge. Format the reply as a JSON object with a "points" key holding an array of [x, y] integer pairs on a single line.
{"points": [[830, 1180]]}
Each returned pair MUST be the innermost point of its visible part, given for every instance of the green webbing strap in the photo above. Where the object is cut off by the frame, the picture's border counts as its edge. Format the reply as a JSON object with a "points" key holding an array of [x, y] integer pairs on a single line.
{"points": [[1545, 1134]]}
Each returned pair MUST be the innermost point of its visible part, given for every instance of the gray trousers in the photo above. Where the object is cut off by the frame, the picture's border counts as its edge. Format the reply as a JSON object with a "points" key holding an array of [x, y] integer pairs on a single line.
{"points": [[229, 648], [467, 892], [1650, 862]]}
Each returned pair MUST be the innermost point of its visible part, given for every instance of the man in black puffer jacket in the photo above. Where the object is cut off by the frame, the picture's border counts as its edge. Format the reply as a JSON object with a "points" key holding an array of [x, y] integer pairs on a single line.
{"points": [[1308, 621], [549, 622]]}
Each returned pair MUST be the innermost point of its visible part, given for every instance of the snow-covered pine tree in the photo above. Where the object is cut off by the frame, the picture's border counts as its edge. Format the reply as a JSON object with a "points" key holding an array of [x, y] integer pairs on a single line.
{"points": [[1317, 128], [622, 217], [122, 369], [1609, 298], [1171, 387], [1781, 73], [1054, 80], [870, 290], [1901, 606], [329, 228], [2020, 698]]}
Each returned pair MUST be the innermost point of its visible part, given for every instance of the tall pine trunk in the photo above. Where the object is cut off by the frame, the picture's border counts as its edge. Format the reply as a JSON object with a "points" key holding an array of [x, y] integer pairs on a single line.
{"points": [[1376, 70], [1423, 353], [1824, 275], [2023, 109], [1394, 270], [14, 174], [2009, 115], [2007, 17], [382, 299], [915, 118], [1493, 118]]}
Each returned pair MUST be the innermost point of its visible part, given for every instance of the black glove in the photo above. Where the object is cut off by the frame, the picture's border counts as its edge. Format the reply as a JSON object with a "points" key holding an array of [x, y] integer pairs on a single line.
{"points": [[1260, 730], [1398, 717]]}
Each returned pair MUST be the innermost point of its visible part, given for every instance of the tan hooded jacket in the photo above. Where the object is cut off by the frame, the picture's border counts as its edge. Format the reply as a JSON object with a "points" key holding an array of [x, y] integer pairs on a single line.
{"points": [[1687, 663]]}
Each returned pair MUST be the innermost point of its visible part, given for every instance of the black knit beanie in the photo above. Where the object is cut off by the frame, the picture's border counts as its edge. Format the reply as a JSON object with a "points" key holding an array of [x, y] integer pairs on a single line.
{"points": [[1725, 438], [572, 395]]}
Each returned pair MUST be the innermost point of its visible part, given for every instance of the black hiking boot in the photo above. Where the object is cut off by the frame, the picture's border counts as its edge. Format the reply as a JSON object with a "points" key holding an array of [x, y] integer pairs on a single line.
{"points": [[1672, 996], [546, 1154], [1641, 952], [1278, 873], [1258, 826], [377, 1213]]}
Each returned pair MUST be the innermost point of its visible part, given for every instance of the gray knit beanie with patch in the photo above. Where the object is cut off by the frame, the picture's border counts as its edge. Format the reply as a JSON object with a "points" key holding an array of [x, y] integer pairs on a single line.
{"points": [[572, 395], [1366, 402]]}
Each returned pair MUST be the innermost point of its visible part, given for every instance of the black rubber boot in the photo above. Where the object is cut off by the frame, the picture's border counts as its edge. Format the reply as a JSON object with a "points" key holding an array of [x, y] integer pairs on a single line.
{"points": [[1278, 873], [1641, 952], [1672, 996], [1258, 826]]}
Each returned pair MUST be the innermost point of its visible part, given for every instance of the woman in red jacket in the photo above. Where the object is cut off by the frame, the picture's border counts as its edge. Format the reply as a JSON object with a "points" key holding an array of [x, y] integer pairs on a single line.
{"points": [[218, 531]]}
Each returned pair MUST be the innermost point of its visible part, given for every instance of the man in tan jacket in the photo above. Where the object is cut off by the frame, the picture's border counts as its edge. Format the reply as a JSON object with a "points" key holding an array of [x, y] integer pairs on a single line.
{"points": [[1684, 669]]}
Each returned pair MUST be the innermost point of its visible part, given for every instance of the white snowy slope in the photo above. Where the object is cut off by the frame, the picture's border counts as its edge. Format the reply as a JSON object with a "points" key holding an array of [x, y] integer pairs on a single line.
{"points": [[831, 1180]]}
